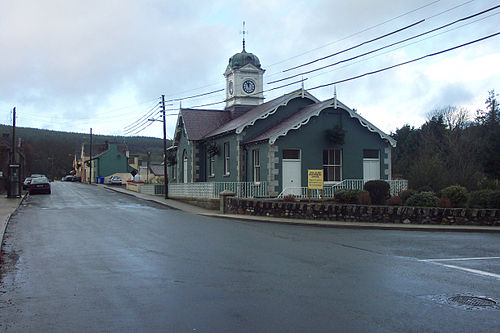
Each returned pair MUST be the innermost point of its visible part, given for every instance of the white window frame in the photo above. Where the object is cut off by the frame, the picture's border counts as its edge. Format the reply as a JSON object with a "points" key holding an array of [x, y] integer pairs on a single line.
{"points": [[211, 166], [333, 182], [227, 158], [256, 165], [174, 172]]}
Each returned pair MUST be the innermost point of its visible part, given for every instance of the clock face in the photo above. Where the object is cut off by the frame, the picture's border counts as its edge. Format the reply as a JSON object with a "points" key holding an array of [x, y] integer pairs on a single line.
{"points": [[231, 87], [248, 86]]}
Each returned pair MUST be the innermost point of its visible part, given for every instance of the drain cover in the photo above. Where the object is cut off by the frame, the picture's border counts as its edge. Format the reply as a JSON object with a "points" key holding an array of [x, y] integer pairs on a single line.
{"points": [[472, 301]]}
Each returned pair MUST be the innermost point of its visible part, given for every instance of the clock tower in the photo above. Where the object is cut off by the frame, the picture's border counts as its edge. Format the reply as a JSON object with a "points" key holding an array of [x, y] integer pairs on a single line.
{"points": [[244, 81]]}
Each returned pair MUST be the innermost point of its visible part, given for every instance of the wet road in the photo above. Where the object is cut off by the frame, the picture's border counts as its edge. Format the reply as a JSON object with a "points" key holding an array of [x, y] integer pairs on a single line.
{"points": [[86, 259]]}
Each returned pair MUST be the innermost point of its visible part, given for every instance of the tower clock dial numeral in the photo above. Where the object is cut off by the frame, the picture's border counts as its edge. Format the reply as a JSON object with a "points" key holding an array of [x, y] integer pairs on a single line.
{"points": [[248, 86]]}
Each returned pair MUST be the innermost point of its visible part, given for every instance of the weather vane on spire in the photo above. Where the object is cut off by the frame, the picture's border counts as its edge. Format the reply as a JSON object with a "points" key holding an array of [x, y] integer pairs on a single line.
{"points": [[244, 32]]}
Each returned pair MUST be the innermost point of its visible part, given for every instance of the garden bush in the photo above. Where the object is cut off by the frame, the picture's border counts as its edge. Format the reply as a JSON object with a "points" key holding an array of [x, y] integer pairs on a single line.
{"points": [[457, 195], [406, 194], [422, 199], [494, 199], [379, 191], [479, 199], [394, 201], [444, 202], [364, 198], [348, 196]]}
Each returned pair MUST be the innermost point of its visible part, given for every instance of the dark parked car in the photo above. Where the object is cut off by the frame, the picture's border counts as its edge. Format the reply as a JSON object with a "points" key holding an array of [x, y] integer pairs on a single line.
{"points": [[67, 178], [39, 185]]}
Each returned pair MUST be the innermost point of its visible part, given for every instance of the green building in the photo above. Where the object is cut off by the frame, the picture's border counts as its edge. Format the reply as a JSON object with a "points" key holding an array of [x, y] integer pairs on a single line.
{"points": [[276, 141], [110, 161]]}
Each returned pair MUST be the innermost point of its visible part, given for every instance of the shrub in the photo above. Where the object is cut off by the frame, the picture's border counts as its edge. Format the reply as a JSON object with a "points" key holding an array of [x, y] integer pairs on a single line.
{"points": [[457, 195], [406, 194], [394, 201], [348, 196], [422, 199], [289, 198], [494, 199], [379, 191], [364, 198], [479, 199], [444, 202]]}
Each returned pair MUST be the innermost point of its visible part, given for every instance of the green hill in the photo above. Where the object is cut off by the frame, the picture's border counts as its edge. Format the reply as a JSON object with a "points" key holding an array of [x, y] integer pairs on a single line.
{"points": [[52, 152]]}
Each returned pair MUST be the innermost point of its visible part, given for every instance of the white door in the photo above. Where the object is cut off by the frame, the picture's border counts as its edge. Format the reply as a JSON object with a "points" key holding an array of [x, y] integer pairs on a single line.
{"points": [[371, 169], [291, 177]]}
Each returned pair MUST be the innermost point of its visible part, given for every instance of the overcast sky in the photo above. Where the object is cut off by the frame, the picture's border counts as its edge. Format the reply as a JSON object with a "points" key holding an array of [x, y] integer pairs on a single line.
{"points": [[75, 65]]}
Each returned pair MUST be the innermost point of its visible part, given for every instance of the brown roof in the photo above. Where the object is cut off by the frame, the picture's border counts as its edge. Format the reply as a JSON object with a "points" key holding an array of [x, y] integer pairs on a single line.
{"points": [[157, 169], [198, 123]]}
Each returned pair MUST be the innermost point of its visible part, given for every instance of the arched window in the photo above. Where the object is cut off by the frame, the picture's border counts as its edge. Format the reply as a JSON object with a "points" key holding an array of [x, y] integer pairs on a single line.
{"points": [[184, 166]]}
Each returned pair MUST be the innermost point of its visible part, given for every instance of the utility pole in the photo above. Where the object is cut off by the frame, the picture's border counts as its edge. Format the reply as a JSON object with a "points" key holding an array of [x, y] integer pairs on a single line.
{"points": [[147, 169], [90, 158], [13, 156], [164, 145]]}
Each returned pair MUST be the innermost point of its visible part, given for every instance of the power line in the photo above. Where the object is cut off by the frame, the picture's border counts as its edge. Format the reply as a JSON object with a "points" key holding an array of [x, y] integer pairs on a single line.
{"points": [[145, 116], [406, 62], [194, 96], [138, 125], [356, 46], [389, 45], [142, 128], [481, 19], [357, 33]]}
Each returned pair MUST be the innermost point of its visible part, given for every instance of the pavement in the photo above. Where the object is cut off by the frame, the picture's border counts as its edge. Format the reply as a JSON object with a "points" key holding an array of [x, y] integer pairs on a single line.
{"points": [[8, 206], [175, 204]]}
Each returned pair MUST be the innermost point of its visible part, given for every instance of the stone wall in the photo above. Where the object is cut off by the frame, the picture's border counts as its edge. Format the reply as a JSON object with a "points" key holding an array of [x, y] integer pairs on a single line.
{"points": [[359, 213], [206, 203]]}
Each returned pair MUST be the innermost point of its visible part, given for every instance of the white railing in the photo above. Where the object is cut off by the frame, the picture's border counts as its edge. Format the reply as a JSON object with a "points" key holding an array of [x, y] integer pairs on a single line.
{"points": [[212, 189], [152, 189], [396, 186]]}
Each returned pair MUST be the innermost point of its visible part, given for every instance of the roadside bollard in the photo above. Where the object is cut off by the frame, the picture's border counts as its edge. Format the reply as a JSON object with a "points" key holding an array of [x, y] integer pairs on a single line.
{"points": [[223, 198]]}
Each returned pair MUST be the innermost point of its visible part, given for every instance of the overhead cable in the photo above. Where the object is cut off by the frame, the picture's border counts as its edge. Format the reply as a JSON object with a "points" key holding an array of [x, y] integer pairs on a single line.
{"points": [[145, 116], [387, 46], [405, 63], [139, 124], [142, 128], [356, 46], [194, 96], [357, 33]]}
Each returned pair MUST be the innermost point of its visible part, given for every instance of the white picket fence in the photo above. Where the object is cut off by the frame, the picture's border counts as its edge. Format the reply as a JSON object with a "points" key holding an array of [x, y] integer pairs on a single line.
{"points": [[396, 186], [211, 190]]}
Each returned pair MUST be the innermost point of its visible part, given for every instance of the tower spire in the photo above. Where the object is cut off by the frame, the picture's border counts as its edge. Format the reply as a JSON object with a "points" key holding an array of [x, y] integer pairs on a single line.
{"points": [[244, 32], [335, 96]]}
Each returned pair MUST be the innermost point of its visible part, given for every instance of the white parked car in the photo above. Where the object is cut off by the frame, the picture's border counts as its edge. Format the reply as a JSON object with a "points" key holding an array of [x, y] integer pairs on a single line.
{"points": [[115, 180]]}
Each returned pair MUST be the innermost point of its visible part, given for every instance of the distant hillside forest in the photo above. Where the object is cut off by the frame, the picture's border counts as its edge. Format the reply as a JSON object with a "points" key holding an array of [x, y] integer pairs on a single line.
{"points": [[52, 152], [450, 148]]}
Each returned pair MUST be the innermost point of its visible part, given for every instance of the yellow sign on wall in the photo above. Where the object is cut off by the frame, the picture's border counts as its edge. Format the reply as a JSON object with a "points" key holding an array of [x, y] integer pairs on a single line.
{"points": [[315, 179]]}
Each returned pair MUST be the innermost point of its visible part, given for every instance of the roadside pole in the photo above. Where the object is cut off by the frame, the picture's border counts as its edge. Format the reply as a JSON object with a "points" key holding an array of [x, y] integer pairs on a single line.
{"points": [[90, 158], [165, 176]]}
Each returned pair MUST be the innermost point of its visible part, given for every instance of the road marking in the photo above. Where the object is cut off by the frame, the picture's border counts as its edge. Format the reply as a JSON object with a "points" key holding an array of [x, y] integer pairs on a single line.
{"points": [[459, 259], [470, 270]]}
